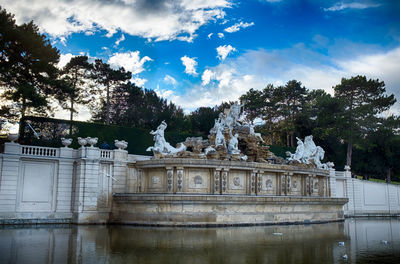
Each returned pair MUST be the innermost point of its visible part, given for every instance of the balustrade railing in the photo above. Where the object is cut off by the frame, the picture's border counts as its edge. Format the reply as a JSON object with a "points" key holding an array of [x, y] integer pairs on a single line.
{"points": [[39, 151], [106, 154], [339, 173]]}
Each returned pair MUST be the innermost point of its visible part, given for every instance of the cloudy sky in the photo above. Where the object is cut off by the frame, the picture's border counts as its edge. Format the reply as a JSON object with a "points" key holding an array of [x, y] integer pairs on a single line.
{"points": [[200, 53]]}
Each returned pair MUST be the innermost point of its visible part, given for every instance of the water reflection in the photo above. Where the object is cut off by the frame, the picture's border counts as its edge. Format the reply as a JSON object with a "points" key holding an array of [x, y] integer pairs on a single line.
{"points": [[364, 242]]}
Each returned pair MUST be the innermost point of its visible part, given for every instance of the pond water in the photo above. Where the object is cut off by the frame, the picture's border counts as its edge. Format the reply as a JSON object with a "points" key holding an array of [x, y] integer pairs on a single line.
{"points": [[361, 240]]}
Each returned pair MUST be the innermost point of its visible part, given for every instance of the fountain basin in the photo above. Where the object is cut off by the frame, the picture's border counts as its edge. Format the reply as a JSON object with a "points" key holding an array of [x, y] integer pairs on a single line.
{"points": [[223, 210]]}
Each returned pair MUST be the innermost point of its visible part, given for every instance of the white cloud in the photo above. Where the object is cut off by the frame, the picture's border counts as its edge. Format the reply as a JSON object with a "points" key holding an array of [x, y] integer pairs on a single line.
{"points": [[122, 38], [257, 68], [164, 93], [130, 60], [168, 79], [355, 5], [238, 26], [223, 51], [207, 76], [190, 65], [221, 35], [385, 66], [209, 35], [64, 59], [155, 20], [138, 81]]}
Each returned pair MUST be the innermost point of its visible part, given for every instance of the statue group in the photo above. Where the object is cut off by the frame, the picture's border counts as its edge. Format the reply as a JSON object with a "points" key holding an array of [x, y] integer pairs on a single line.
{"points": [[233, 138], [307, 152]]}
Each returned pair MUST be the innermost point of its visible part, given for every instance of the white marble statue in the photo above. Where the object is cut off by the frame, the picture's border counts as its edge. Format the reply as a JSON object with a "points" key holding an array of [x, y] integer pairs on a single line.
{"points": [[233, 115], [298, 155], [233, 145], [219, 138], [310, 149], [319, 155], [307, 152], [252, 132], [161, 145]]}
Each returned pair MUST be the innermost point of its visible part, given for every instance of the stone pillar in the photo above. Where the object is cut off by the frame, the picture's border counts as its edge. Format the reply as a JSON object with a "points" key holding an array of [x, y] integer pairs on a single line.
{"points": [[289, 182], [283, 184], [259, 181], [224, 180], [253, 182], [170, 179], [179, 180], [120, 171], [349, 209], [308, 185], [217, 181], [140, 186], [87, 187], [332, 181], [65, 178], [9, 177]]}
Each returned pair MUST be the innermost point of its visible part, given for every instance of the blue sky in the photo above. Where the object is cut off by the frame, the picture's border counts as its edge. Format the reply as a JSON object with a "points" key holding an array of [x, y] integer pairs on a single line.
{"points": [[200, 53]]}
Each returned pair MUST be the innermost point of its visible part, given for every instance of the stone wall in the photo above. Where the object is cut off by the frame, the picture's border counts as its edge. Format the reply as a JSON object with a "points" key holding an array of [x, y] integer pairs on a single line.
{"points": [[60, 185], [367, 198]]}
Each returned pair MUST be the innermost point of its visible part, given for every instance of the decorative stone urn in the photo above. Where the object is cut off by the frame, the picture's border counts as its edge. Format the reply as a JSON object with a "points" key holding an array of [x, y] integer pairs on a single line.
{"points": [[82, 141], [66, 142], [91, 141], [13, 137], [121, 144]]}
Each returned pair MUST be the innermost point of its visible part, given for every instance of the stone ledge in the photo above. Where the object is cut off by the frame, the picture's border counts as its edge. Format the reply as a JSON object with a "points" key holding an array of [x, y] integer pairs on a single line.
{"points": [[223, 210], [134, 197]]}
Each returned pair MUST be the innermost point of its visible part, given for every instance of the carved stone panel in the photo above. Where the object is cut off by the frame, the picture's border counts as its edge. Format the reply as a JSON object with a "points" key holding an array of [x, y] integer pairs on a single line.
{"points": [[198, 180], [156, 180], [37, 186], [268, 184], [296, 185]]}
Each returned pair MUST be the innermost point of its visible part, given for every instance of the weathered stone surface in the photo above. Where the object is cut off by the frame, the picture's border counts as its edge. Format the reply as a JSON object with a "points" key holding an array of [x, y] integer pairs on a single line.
{"points": [[182, 210]]}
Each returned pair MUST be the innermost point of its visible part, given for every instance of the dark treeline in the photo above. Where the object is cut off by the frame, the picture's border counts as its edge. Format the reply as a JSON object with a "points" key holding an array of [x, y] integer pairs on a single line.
{"points": [[349, 125]]}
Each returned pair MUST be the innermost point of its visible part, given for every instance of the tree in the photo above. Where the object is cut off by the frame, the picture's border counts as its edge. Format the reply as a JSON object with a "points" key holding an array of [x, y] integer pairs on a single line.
{"points": [[27, 65], [202, 119], [319, 118], [291, 103], [262, 104], [75, 77], [110, 79], [362, 101], [379, 153]]}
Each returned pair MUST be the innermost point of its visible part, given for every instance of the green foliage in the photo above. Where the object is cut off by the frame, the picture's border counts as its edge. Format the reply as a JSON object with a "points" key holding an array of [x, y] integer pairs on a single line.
{"points": [[27, 65], [51, 131], [74, 83], [362, 100], [203, 118], [280, 151], [109, 79], [132, 106]]}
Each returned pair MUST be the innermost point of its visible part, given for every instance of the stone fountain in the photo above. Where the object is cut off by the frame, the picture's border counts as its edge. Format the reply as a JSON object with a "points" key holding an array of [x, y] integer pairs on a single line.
{"points": [[231, 178]]}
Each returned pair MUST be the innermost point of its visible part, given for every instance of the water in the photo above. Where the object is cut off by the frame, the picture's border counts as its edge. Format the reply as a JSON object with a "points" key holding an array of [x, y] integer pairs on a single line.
{"points": [[364, 241]]}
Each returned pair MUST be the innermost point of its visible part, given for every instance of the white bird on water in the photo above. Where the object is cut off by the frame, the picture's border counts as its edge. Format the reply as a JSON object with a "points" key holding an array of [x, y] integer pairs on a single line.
{"points": [[341, 243], [384, 242], [345, 257]]}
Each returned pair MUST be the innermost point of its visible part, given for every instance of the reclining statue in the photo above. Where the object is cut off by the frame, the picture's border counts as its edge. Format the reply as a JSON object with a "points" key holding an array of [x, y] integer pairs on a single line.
{"points": [[161, 146]]}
